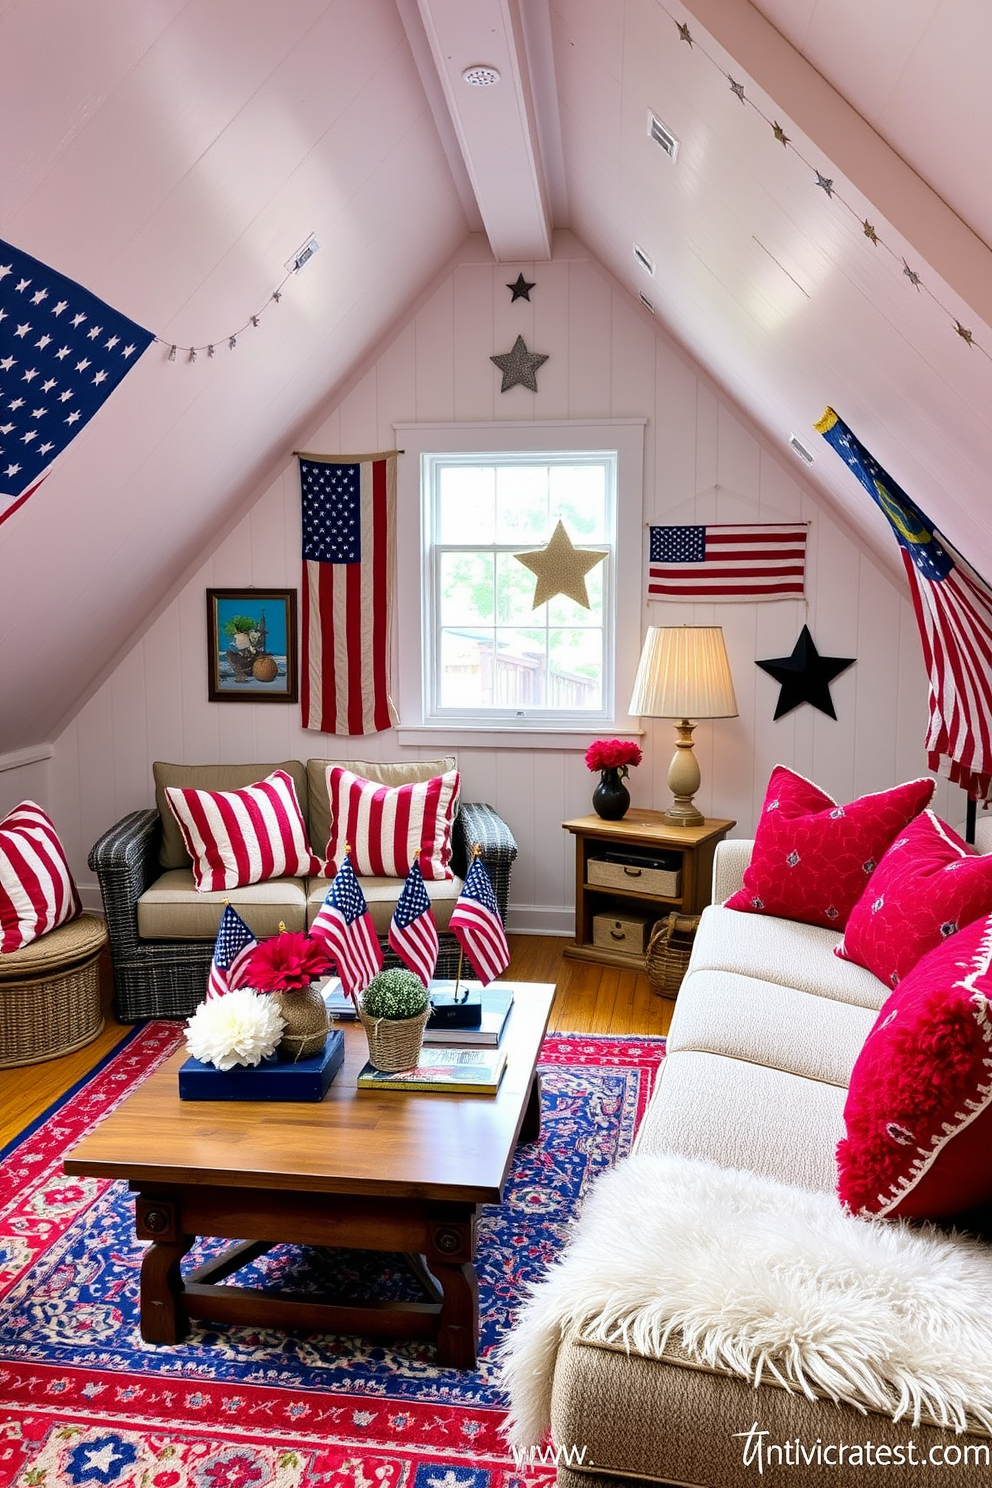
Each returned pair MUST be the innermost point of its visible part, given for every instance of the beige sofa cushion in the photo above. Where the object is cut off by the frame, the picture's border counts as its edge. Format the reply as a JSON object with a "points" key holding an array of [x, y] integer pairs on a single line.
{"points": [[173, 909], [765, 1023], [172, 853], [410, 772], [746, 1116], [381, 895], [688, 1424], [782, 951]]}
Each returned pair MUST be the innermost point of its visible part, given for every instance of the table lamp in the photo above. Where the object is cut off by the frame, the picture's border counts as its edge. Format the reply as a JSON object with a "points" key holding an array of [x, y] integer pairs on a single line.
{"points": [[684, 674]]}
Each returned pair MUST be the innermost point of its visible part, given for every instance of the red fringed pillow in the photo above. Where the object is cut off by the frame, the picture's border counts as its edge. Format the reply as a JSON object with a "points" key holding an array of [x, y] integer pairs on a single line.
{"points": [[928, 886], [386, 825], [812, 858], [919, 1106], [36, 888], [243, 836]]}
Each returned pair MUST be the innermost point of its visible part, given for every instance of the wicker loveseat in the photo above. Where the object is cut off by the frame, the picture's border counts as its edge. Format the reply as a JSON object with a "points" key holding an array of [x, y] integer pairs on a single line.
{"points": [[162, 931]]}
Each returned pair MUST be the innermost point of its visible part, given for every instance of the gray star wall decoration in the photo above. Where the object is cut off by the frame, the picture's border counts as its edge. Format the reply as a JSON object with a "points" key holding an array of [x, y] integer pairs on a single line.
{"points": [[519, 366]]}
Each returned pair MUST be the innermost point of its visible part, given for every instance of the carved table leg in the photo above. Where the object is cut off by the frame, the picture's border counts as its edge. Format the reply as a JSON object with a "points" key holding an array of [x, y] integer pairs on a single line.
{"points": [[530, 1127], [163, 1316], [450, 1258]]}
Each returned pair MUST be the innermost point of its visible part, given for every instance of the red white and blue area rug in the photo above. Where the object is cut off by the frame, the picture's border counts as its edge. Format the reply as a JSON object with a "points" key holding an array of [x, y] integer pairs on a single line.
{"points": [[83, 1401]]}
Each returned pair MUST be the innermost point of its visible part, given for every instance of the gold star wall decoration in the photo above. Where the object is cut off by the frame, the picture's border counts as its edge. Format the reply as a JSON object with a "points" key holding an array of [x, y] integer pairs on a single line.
{"points": [[561, 568]]}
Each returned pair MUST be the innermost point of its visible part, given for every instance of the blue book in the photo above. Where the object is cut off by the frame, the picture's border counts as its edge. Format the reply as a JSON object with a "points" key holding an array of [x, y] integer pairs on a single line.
{"points": [[274, 1079]]}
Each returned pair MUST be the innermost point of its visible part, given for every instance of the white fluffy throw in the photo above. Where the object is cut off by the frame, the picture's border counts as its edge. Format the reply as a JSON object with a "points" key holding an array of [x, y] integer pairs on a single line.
{"points": [[767, 1282]]}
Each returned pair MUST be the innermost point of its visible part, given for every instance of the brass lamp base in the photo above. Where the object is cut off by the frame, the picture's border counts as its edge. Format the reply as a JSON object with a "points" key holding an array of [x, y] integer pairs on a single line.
{"points": [[683, 780]]}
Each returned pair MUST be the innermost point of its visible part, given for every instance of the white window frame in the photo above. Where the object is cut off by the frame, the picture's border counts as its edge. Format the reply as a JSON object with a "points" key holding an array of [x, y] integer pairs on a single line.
{"points": [[504, 728]]}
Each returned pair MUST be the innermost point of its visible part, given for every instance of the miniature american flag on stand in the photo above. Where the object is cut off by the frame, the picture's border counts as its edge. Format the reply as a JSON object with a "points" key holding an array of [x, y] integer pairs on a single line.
{"points": [[62, 353], [476, 923], [412, 930], [348, 539], [232, 952], [344, 926], [730, 563]]}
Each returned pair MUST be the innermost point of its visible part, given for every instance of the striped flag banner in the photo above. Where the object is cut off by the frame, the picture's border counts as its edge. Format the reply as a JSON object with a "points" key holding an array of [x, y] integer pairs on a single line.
{"points": [[476, 924], [232, 952], [344, 927], [413, 930], [728, 563], [349, 506], [953, 607]]}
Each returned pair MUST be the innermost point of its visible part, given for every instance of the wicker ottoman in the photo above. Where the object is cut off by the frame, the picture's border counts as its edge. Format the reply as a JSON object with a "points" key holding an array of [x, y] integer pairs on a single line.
{"points": [[50, 993]]}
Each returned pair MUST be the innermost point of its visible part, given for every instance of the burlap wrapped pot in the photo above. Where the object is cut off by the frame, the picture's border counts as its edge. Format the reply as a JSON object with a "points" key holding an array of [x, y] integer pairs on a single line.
{"points": [[305, 1014], [394, 1043]]}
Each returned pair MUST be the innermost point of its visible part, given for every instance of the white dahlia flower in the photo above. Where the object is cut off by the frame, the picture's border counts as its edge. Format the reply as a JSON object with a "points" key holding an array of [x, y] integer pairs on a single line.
{"points": [[242, 1027]]}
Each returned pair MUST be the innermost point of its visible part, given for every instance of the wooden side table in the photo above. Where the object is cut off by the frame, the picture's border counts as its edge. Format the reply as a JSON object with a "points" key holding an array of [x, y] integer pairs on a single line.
{"points": [[643, 833]]}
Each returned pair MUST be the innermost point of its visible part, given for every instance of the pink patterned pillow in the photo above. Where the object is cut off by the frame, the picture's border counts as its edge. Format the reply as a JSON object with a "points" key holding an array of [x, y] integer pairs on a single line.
{"points": [[386, 825], [928, 886], [919, 1106], [243, 836], [36, 888], [812, 858]]}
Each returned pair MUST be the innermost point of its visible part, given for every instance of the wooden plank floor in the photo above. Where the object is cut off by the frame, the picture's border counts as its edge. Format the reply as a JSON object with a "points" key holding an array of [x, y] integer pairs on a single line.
{"points": [[589, 999]]}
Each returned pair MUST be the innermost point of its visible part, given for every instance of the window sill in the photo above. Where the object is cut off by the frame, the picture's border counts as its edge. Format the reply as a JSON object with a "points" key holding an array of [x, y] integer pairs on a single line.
{"points": [[468, 737]]}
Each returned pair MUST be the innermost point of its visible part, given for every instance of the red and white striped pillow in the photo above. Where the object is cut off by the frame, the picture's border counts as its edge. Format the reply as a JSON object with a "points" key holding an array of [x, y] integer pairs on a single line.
{"points": [[385, 825], [36, 888], [243, 836]]}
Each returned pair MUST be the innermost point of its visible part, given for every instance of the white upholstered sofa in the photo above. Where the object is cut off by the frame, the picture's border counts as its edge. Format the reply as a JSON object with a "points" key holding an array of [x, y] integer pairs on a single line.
{"points": [[765, 1032]]}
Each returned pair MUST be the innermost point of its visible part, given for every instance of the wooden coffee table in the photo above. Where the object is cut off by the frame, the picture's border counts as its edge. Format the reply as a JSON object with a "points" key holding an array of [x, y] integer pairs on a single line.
{"points": [[359, 1169]]}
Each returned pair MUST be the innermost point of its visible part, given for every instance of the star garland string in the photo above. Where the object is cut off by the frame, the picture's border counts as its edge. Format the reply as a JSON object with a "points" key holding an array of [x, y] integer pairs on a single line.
{"points": [[823, 183], [190, 353]]}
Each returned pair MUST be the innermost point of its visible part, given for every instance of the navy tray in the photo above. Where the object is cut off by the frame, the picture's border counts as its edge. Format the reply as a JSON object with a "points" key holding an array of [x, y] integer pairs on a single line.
{"points": [[273, 1079]]}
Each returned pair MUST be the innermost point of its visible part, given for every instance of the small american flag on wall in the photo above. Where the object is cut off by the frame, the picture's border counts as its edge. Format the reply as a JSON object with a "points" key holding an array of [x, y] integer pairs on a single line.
{"points": [[726, 563], [348, 547]]}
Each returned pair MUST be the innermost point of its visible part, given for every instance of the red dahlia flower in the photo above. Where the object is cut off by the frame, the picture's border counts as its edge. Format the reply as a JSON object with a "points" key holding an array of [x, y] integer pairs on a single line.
{"points": [[287, 963], [613, 754]]}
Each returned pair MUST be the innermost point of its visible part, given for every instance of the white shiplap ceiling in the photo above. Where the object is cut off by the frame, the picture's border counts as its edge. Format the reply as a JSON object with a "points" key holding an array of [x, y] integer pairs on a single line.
{"points": [[171, 155]]}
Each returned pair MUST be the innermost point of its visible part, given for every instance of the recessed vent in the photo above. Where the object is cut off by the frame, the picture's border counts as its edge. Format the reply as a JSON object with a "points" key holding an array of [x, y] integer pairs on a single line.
{"points": [[302, 256], [481, 76], [646, 302], [800, 449], [643, 259], [662, 136]]}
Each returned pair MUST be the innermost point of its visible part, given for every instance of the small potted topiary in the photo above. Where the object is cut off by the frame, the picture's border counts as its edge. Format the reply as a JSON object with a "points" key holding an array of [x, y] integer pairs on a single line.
{"points": [[394, 1009]]}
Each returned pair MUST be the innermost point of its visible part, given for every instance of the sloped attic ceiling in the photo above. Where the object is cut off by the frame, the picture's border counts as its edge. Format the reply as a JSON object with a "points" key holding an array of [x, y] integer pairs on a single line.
{"points": [[173, 156]]}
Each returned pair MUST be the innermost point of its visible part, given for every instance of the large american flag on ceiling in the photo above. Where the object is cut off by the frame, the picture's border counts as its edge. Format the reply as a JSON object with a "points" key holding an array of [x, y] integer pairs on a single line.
{"points": [[733, 563], [349, 509], [954, 613], [62, 353]]}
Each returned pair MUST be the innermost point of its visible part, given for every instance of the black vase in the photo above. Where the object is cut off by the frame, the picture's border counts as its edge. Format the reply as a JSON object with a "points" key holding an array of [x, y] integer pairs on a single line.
{"points": [[611, 797]]}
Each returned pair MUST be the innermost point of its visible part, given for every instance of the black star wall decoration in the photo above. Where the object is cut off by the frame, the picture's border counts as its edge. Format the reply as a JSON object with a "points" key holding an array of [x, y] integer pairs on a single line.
{"points": [[520, 289], [805, 676]]}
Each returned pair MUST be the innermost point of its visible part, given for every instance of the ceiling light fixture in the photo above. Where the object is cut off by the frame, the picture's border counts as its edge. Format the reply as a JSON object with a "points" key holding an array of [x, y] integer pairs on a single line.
{"points": [[302, 256], [800, 449], [662, 135], [643, 259], [481, 76]]}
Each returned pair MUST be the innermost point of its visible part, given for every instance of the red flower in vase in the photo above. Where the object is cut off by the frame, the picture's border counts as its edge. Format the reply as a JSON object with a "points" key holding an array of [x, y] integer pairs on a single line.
{"points": [[288, 962], [613, 754]]}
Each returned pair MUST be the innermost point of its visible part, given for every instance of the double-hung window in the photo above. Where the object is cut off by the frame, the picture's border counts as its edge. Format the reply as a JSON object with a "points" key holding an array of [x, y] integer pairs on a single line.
{"points": [[490, 659]]}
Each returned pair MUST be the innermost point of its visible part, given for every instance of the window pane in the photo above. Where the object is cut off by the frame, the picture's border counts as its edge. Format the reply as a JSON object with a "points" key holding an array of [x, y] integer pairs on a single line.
{"points": [[521, 661], [522, 504], [465, 679], [466, 504], [515, 592], [466, 588], [578, 497], [575, 668]]}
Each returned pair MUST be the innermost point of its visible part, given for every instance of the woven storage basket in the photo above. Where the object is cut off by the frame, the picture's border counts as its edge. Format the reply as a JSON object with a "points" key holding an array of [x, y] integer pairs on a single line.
{"points": [[668, 953], [394, 1043], [50, 993]]}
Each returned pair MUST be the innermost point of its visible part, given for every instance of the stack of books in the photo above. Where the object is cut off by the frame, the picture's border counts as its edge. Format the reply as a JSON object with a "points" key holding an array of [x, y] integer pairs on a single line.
{"points": [[497, 1000], [462, 1071]]}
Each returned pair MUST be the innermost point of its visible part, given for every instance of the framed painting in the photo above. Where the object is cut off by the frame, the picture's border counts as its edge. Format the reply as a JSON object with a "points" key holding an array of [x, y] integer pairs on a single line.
{"points": [[251, 646]]}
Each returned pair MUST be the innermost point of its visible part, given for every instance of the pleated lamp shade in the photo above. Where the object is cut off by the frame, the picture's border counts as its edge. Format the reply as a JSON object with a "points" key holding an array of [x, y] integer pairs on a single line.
{"points": [[683, 673]]}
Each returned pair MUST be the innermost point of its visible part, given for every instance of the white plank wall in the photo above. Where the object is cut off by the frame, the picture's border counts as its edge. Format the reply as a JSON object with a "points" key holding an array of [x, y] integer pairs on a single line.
{"points": [[703, 461]]}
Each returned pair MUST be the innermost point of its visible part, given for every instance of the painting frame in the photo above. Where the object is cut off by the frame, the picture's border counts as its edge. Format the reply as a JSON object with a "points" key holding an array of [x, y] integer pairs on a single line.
{"points": [[244, 666]]}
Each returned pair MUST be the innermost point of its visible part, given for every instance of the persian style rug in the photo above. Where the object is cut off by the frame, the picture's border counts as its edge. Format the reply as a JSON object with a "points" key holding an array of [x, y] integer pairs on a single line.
{"points": [[83, 1400]]}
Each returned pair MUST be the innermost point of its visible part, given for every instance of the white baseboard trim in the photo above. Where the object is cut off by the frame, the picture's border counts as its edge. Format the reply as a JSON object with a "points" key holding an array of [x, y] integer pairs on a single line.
{"points": [[541, 919], [90, 894]]}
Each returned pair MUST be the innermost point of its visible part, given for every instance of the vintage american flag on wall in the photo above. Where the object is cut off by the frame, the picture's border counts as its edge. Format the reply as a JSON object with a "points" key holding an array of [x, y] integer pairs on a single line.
{"points": [[766, 560], [62, 353], [954, 612], [349, 507]]}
